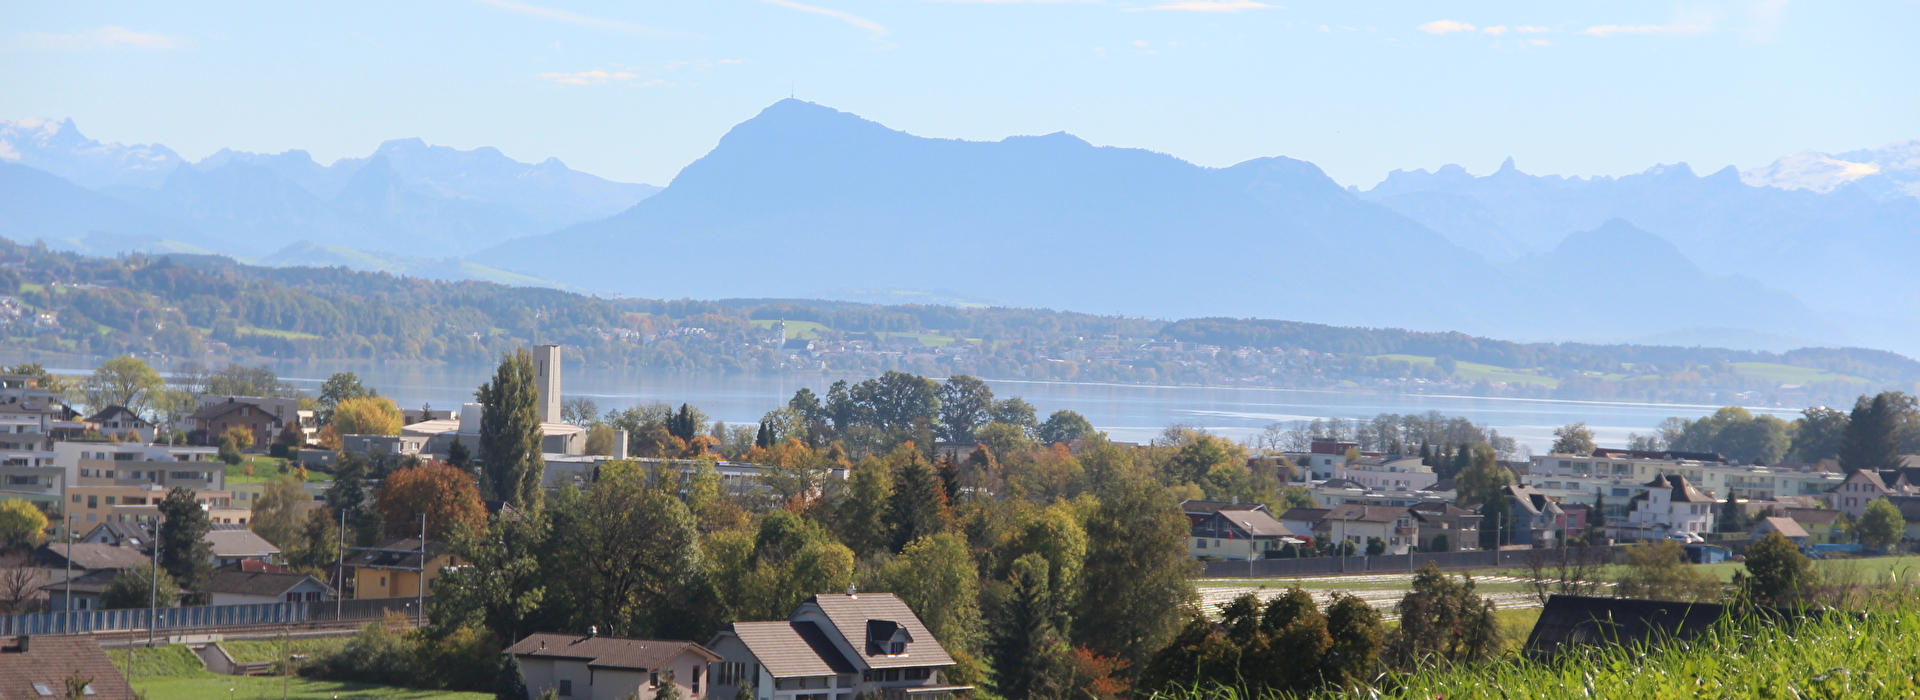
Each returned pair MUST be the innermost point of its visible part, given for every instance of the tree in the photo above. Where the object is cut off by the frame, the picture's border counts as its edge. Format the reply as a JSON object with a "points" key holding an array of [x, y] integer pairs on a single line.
{"points": [[580, 410], [862, 515], [276, 515], [512, 683], [134, 587], [966, 403], [894, 400], [446, 495], [342, 386], [1292, 497], [1573, 439], [1064, 426], [631, 551], [936, 577], [1442, 622], [512, 466], [503, 584], [1137, 577], [669, 690], [1872, 439], [1881, 526], [1376, 546], [370, 415], [1659, 571], [234, 443], [185, 553], [1483, 480], [458, 456], [919, 504], [123, 381], [1818, 434], [1777, 573], [21, 523], [236, 379], [1015, 411], [318, 543], [1355, 630]]}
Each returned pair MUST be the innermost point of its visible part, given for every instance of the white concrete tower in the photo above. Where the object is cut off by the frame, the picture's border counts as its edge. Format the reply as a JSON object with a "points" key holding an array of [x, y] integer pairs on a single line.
{"points": [[546, 376]]}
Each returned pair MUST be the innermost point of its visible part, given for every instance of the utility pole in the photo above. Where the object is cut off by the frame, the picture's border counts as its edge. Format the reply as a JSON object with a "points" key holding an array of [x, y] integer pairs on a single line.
{"points": [[420, 584], [340, 567], [153, 587], [69, 594]]}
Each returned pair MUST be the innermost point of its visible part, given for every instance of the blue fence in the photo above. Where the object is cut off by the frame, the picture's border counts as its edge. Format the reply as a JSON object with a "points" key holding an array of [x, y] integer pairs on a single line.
{"points": [[202, 617]]}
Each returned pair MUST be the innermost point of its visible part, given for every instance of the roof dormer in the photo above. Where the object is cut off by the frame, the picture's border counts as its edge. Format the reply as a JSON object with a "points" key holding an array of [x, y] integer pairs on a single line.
{"points": [[887, 638]]}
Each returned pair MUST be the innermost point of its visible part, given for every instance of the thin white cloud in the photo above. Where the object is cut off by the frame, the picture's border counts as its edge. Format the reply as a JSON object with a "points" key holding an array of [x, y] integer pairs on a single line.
{"points": [[571, 18], [1539, 42], [1210, 6], [1445, 26], [1525, 29], [1495, 30], [590, 77], [847, 17], [1687, 24], [101, 38]]}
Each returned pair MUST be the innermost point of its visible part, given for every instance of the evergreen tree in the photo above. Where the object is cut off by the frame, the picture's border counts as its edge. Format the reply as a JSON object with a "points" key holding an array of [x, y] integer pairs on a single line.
{"points": [[919, 506], [1496, 522], [511, 683], [1137, 577], [1873, 432], [510, 456], [458, 456], [185, 553]]}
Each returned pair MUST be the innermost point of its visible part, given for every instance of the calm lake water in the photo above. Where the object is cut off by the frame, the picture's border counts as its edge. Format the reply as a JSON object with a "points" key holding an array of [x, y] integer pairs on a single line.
{"points": [[1125, 412]]}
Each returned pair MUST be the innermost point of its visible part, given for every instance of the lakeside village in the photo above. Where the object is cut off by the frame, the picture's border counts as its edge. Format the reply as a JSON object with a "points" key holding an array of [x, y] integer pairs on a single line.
{"points": [[285, 500]]}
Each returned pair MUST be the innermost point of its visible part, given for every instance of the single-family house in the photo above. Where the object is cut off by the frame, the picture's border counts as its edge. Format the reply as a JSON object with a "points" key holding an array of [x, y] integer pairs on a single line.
{"points": [[1444, 527], [116, 421], [38, 667], [592, 667], [250, 582], [1861, 486], [214, 419], [234, 543], [834, 647], [88, 556], [1243, 534], [1821, 524], [1537, 519], [1393, 525], [393, 569], [1198, 510], [1670, 505], [84, 589], [1783, 525]]}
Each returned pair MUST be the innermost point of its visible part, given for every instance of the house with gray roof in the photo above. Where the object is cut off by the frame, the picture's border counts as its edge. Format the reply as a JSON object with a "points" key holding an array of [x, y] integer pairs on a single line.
{"points": [[250, 582], [592, 667], [1239, 535], [834, 647]]}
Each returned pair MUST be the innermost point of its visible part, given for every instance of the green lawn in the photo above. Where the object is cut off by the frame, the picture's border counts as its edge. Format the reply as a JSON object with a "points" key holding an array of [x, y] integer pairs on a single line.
{"points": [[927, 339], [1789, 374], [266, 469], [1474, 371], [173, 673], [796, 329], [252, 687], [285, 335]]}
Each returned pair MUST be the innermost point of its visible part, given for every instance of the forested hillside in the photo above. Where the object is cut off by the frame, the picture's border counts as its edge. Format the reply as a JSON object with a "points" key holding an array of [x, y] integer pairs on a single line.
{"points": [[199, 307]]}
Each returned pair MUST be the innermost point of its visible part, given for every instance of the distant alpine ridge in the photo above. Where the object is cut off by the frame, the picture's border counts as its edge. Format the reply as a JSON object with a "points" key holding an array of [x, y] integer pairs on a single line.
{"points": [[803, 200], [407, 198]]}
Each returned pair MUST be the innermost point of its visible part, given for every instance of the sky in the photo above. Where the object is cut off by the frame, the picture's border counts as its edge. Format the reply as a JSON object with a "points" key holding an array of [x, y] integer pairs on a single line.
{"points": [[636, 90]]}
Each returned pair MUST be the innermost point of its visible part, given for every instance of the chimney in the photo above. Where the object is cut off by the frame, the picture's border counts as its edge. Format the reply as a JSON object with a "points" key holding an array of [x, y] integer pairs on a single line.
{"points": [[25, 644], [593, 631], [546, 376], [851, 591]]}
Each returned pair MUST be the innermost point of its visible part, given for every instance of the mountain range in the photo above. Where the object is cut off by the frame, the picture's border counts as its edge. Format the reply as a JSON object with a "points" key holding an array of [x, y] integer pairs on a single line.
{"points": [[407, 198], [803, 200]]}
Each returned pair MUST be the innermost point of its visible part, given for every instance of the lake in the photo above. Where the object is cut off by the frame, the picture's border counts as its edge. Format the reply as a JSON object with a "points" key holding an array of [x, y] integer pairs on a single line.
{"points": [[1126, 412]]}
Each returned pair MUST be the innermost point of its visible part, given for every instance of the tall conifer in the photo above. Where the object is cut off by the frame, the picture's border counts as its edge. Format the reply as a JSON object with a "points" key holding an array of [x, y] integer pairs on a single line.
{"points": [[511, 465]]}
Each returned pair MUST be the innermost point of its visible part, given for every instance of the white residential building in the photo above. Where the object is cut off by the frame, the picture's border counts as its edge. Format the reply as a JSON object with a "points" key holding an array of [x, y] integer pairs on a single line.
{"points": [[1670, 505]]}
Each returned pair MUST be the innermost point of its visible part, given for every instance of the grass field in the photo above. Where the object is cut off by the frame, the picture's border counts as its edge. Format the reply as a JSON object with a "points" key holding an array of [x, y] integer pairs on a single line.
{"points": [[1474, 371], [262, 687], [796, 329], [1789, 374], [173, 673], [266, 469]]}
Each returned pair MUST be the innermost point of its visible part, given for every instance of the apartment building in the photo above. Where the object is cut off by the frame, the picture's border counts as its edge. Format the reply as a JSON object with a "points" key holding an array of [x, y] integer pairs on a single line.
{"points": [[1619, 476]]}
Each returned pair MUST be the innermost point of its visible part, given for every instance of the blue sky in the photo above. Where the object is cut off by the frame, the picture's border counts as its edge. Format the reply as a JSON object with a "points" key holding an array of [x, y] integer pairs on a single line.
{"points": [[636, 90]]}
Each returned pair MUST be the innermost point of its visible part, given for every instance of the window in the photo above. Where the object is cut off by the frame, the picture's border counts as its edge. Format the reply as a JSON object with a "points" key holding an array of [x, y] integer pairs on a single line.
{"points": [[566, 688], [109, 500], [898, 648], [123, 456], [893, 674], [1202, 542], [93, 501], [918, 674], [653, 679]]}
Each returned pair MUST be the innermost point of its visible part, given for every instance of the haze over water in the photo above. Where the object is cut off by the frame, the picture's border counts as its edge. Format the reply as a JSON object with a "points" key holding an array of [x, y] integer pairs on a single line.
{"points": [[1132, 413]]}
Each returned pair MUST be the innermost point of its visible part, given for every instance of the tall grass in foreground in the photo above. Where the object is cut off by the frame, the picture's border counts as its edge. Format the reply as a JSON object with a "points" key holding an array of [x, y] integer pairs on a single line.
{"points": [[1876, 655]]}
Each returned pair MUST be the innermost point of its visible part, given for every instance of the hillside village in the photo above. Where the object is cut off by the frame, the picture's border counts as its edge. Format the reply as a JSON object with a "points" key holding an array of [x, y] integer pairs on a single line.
{"points": [[281, 504]]}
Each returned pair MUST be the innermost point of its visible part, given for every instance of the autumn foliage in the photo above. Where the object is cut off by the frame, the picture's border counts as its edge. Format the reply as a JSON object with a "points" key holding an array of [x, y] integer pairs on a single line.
{"points": [[448, 495]]}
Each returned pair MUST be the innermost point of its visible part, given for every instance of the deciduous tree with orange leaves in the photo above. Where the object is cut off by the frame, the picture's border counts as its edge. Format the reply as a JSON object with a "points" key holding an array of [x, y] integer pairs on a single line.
{"points": [[447, 494]]}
